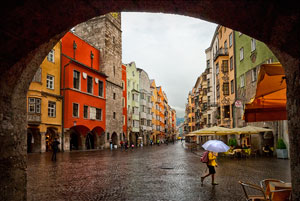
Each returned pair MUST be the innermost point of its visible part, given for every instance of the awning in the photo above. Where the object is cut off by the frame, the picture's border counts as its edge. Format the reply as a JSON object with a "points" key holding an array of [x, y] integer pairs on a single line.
{"points": [[269, 103]]}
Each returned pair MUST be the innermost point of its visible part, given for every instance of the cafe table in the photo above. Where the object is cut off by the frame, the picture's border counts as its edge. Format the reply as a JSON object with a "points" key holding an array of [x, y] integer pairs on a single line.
{"points": [[280, 191]]}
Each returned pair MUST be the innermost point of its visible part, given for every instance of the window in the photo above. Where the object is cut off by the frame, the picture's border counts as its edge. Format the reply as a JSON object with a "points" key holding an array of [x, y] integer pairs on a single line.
{"points": [[253, 75], [242, 81], [50, 56], [226, 88], [142, 96], [76, 79], [230, 39], [208, 100], [123, 101], [217, 68], [225, 45], [128, 83], [114, 96], [38, 76], [128, 96], [231, 63], [100, 88], [227, 111], [225, 66], [124, 120], [253, 44], [75, 110], [241, 54], [51, 109], [85, 111], [89, 84], [50, 82], [99, 114], [232, 87], [34, 105], [114, 115], [208, 64], [107, 136], [123, 85], [133, 73]]}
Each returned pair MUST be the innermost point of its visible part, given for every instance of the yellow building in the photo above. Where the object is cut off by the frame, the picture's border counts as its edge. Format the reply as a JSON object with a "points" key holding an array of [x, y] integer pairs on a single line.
{"points": [[45, 104], [155, 111], [224, 63]]}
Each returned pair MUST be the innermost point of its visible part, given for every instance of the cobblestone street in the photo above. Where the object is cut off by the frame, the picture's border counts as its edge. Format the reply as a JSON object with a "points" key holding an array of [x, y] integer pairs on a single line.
{"points": [[165, 172]]}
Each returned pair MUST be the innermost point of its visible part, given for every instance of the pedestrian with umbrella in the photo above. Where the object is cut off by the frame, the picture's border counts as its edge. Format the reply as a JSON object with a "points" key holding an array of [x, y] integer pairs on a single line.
{"points": [[213, 147]]}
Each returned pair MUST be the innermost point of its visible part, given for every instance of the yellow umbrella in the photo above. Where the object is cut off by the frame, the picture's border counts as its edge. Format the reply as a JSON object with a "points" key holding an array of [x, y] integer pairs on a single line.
{"points": [[251, 130], [216, 130]]}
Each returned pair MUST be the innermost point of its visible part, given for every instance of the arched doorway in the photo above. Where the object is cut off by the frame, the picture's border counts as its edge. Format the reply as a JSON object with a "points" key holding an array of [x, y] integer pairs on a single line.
{"points": [[90, 140], [50, 135], [75, 141], [114, 138], [33, 140], [99, 136]]}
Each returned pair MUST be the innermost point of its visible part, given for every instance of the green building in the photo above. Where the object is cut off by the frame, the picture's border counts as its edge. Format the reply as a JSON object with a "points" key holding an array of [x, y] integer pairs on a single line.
{"points": [[249, 55]]}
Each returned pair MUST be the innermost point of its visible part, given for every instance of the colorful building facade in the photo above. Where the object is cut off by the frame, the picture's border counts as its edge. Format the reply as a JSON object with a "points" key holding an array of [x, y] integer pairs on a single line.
{"points": [[45, 104], [124, 101], [84, 91]]}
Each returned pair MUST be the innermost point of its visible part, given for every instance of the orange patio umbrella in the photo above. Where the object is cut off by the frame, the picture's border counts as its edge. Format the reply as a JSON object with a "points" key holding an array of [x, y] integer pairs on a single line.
{"points": [[269, 103]]}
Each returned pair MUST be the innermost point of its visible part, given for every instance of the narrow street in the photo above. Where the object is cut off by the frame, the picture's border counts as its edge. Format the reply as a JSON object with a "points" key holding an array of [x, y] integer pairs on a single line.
{"points": [[165, 172]]}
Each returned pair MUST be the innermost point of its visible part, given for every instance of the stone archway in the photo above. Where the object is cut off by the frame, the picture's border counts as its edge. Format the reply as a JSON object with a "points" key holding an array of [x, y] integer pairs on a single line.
{"points": [[114, 138], [24, 46]]}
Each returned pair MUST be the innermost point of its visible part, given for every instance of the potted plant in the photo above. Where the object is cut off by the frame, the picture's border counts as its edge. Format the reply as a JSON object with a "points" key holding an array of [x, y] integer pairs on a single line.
{"points": [[281, 150]]}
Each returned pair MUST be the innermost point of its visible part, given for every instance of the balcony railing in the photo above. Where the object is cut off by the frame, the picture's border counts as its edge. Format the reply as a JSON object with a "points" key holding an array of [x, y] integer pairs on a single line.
{"points": [[221, 52]]}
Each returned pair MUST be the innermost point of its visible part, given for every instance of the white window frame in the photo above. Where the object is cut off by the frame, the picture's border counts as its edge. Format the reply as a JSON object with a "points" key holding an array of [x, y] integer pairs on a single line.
{"points": [[102, 93], [87, 111], [51, 56], [51, 109], [253, 75], [79, 78], [230, 39], [241, 53], [31, 105], [242, 80], [97, 109], [253, 44], [50, 81], [78, 110], [87, 85]]}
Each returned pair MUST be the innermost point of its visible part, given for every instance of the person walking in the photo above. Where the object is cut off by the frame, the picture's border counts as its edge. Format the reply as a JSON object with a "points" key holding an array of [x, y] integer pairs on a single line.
{"points": [[55, 144], [211, 167]]}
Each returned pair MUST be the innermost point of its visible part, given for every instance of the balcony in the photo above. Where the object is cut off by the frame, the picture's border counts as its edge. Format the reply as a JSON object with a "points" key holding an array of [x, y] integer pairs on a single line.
{"points": [[143, 115], [149, 116], [143, 102], [221, 52], [34, 118]]}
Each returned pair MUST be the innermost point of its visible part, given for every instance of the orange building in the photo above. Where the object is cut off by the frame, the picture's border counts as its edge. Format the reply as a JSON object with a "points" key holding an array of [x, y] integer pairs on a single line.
{"points": [[83, 88], [124, 101]]}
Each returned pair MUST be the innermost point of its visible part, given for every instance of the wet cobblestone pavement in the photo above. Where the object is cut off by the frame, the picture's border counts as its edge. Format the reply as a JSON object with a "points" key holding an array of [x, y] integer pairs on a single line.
{"points": [[151, 173]]}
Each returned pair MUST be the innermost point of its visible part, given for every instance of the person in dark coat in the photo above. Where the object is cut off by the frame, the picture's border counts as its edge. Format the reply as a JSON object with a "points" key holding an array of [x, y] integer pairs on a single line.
{"points": [[55, 144]]}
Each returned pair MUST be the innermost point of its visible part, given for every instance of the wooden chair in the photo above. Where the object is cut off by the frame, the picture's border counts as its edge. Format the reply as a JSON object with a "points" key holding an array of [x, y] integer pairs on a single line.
{"points": [[265, 185], [281, 195], [248, 186]]}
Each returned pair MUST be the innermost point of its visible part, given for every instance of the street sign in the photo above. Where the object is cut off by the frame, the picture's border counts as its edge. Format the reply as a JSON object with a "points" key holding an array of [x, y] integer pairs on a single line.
{"points": [[238, 104]]}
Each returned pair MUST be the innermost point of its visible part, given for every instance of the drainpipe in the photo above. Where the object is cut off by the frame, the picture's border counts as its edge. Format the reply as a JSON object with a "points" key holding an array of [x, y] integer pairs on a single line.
{"points": [[235, 81], [63, 105]]}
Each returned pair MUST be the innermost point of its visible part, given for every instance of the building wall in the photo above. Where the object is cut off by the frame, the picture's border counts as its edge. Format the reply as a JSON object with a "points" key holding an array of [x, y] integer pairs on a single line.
{"points": [[104, 32], [133, 89], [124, 101], [38, 89], [83, 63], [155, 112]]}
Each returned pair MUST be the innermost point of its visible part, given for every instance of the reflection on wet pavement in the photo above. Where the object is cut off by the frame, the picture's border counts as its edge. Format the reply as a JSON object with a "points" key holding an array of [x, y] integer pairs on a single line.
{"points": [[149, 173]]}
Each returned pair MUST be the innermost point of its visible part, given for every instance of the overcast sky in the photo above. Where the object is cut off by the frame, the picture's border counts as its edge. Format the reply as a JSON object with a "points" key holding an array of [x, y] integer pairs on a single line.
{"points": [[170, 48]]}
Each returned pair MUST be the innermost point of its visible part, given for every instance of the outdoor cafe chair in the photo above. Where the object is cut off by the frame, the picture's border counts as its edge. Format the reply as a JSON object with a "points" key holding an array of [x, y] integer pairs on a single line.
{"points": [[247, 187], [265, 185], [281, 195]]}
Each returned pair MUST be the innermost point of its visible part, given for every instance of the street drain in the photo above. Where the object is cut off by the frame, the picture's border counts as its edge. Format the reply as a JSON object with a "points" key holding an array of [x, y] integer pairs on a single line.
{"points": [[166, 166]]}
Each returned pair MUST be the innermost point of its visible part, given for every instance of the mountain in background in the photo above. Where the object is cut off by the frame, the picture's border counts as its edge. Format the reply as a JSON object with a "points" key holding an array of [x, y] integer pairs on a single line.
{"points": [[179, 120]]}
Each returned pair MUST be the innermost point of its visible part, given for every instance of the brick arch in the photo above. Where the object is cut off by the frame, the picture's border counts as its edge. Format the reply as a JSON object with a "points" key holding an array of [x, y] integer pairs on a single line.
{"points": [[30, 29]]}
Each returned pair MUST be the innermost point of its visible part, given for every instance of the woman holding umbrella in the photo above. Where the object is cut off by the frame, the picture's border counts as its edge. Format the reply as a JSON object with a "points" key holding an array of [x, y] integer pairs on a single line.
{"points": [[211, 167], [213, 146]]}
